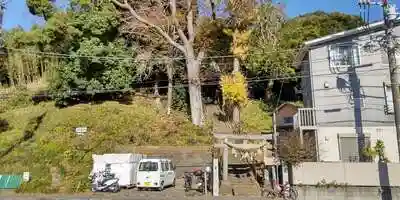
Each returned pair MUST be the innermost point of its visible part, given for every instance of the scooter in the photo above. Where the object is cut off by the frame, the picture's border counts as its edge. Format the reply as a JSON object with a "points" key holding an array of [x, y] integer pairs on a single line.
{"points": [[104, 181], [187, 176], [197, 176]]}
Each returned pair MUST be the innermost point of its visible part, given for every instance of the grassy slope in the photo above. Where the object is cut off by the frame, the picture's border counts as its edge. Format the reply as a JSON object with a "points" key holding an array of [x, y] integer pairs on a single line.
{"points": [[55, 145]]}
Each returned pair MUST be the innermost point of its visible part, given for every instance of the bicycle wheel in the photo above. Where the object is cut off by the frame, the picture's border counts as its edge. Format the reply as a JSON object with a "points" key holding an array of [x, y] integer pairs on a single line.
{"points": [[293, 194], [271, 195]]}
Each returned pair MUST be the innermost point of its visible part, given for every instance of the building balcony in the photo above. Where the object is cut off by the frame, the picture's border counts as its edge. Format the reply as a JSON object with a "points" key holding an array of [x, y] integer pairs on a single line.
{"points": [[306, 119]]}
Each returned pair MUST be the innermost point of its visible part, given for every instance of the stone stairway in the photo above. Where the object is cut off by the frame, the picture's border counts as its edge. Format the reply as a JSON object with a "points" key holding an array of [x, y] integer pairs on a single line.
{"points": [[240, 183], [244, 186]]}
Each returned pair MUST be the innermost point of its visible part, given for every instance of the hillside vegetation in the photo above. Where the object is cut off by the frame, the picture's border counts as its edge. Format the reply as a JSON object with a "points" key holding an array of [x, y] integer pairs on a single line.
{"points": [[41, 137]]}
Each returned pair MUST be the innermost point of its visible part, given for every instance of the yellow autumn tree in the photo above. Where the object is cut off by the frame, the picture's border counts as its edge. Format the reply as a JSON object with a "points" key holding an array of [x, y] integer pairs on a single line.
{"points": [[234, 89], [239, 23]]}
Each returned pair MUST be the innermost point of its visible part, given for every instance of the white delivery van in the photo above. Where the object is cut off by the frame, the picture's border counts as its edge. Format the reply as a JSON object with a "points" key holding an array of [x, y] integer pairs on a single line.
{"points": [[155, 173]]}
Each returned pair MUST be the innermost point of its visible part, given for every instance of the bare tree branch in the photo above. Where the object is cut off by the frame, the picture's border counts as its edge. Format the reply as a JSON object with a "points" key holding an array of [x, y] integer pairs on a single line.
{"points": [[190, 27], [175, 20], [189, 18], [126, 6]]}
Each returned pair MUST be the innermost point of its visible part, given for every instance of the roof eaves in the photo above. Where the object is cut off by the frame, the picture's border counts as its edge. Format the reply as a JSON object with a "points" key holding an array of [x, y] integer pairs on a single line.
{"points": [[286, 104], [342, 34]]}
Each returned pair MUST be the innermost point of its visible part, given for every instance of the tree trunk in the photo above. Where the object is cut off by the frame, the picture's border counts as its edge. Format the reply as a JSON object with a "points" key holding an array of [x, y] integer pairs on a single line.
{"points": [[268, 92], [236, 108], [196, 103], [170, 87], [156, 91]]}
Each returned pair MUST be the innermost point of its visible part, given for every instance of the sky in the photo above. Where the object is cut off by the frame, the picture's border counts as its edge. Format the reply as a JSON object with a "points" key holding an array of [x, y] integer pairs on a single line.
{"points": [[17, 13]]}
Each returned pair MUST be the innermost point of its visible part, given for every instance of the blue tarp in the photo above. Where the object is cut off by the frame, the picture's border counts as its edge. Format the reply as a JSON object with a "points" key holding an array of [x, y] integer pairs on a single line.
{"points": [[10, 181]]}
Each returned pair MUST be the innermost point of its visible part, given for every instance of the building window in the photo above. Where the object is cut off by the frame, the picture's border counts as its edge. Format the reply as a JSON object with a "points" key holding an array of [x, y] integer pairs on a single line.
{"points": [[344, 55], [288, 120], [348, 148], [388, 98]]}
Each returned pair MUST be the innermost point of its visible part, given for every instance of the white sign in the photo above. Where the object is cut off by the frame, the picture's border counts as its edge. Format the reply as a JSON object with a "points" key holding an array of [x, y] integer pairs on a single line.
{"points": [[81, 131], [26, 176]]}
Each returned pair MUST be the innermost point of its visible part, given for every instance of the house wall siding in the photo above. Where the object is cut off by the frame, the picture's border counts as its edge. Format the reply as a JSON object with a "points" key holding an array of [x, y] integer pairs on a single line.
{"points": [[336, 113], [333, 103], [328, 143]]}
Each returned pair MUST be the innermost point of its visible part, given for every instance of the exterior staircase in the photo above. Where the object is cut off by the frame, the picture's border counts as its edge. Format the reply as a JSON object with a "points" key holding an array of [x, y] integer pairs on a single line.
{"points": [[241, 182]]}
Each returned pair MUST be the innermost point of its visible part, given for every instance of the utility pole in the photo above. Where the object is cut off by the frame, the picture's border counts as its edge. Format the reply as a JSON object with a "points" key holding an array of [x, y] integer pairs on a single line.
{"points": [[390, 16]]}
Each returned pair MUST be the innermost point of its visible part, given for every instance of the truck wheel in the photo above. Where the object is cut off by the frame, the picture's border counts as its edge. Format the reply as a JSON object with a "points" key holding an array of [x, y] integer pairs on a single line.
{"points": [[161, 188], [139, 188]]}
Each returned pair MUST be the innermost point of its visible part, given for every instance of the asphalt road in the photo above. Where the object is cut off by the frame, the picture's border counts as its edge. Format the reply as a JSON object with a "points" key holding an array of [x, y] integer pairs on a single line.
{"points": [[132, 194], [176, 193]]}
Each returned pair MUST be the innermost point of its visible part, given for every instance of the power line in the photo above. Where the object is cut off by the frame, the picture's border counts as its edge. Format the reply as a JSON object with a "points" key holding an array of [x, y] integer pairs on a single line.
{"points": [[215, 80], [25, 51], [215, 83], [295, 64]]}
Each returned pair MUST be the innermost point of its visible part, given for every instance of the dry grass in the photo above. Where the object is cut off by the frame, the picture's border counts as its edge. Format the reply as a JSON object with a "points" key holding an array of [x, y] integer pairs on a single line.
{"points": [[36, 86]]}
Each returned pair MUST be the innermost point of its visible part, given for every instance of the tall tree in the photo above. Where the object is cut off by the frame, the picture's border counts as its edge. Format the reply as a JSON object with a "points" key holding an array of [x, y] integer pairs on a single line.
{"points": [[186, 45], [265, 51], [275, 41], [314, 25], [43, 8], [241, 17]]}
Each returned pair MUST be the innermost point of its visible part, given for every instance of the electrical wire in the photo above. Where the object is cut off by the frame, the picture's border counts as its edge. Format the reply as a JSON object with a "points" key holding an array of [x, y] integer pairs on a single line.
{"points": [[215, 81], [160, 59], [207, 84], [318, 60]]}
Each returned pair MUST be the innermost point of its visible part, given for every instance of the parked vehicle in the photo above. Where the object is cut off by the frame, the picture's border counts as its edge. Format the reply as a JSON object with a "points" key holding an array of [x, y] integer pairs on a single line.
{"points": [[124, 166], [104, 181], [196, 178], [155, 173]]}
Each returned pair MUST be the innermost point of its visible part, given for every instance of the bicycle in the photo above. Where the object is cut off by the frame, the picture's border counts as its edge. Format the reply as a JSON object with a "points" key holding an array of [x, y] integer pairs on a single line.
{"points": [[284, 191]]}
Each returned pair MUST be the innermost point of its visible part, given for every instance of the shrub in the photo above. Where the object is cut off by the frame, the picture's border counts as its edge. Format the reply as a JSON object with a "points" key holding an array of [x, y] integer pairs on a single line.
{"points": [[255, 118], [16, 99], [292, 152]]}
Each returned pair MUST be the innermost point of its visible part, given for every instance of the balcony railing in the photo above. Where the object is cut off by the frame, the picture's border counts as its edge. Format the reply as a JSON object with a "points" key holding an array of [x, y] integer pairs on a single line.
{"points": [[306, 118]]}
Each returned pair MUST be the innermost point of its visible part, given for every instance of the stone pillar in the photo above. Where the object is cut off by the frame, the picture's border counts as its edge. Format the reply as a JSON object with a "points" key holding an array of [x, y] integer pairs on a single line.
{"points": [[266, 173], [215, 177], [285, 173], [225, 163], [273, 171]]}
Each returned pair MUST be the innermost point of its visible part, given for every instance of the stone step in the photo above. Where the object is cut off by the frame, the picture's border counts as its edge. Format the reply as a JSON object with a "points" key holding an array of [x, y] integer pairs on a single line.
{"points": [[244, 186]]}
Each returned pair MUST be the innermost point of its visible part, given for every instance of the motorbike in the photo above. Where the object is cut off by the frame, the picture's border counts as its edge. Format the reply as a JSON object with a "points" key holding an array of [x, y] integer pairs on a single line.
{"points": [[197, 177], [104, 181]]}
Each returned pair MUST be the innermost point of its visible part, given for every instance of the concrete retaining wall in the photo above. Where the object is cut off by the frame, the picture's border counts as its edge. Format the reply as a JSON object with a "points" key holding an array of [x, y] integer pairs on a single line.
{"points": [[346, 193], [354, 174]]}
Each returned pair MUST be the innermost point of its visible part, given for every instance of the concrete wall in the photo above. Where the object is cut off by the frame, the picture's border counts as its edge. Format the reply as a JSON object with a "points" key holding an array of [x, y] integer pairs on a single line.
{"points": [[328, 143], [346, 193], [353, 174]]}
